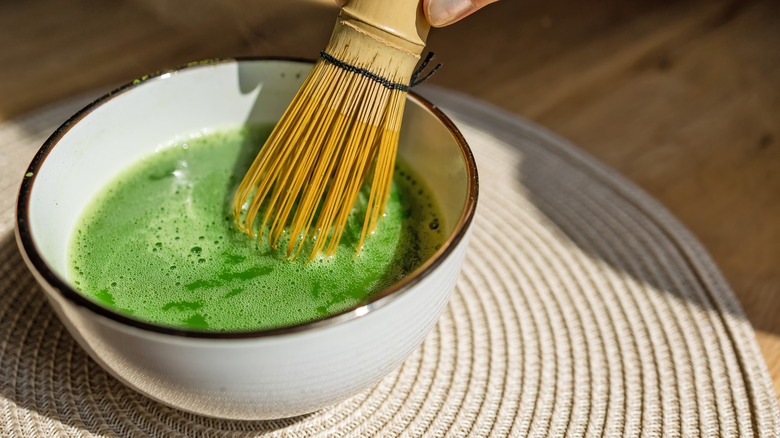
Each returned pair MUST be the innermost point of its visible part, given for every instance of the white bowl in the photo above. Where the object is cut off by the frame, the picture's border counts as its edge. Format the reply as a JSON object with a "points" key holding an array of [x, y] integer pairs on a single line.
{"points": [[248, 375]]}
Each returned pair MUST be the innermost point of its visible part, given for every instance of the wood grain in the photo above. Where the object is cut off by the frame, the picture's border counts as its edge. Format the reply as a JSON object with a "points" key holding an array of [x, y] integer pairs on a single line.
{"points": [[681, 97]]}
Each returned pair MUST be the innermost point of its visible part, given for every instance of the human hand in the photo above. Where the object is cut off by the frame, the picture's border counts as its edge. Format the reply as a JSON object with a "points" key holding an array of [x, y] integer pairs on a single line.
{"points": [[442, 13], [445, 12]]}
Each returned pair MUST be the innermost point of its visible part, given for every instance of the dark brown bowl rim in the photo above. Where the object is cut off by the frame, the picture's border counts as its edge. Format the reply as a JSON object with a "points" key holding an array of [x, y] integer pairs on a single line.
{"points": [[27, 244]]}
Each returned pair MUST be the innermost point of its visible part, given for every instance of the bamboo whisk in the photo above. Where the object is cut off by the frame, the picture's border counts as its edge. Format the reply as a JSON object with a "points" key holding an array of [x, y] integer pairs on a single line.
{"points": [[340, 131]]}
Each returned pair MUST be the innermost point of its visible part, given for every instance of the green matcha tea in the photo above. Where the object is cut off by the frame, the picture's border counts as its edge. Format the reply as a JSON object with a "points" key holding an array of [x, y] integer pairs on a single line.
{"points": [[159, 243]]}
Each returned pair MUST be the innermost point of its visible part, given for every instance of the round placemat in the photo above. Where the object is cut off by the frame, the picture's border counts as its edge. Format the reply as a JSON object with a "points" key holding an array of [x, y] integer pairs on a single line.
{"points": [[583, 308]]}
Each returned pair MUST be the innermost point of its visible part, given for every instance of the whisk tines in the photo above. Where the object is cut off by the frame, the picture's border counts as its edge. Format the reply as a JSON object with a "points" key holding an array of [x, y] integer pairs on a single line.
{"points": [[340, 131]]}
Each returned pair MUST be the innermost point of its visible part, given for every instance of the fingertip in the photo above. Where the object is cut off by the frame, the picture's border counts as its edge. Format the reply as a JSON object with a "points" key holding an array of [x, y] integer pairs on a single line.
{"points": [[443, 12]]}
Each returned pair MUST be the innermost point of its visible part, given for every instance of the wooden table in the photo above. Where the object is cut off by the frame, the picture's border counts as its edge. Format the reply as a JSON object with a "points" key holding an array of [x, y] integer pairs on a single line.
{"points": [[682, 97]]}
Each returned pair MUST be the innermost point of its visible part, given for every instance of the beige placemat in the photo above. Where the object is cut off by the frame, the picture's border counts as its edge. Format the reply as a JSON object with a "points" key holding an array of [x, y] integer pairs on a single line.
{"points": [[583, 308]]}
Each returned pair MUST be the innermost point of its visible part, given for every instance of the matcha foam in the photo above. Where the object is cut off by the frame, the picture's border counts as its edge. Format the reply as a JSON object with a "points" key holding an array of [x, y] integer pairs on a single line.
{"points": [[159, 243]]}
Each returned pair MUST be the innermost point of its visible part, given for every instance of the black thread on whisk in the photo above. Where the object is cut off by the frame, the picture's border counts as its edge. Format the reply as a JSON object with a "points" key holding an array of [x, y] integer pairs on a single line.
{"points": [[415, 80]]}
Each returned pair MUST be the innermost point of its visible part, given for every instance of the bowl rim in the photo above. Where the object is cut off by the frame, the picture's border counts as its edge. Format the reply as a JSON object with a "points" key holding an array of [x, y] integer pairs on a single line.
{"points": [[35, 262]]}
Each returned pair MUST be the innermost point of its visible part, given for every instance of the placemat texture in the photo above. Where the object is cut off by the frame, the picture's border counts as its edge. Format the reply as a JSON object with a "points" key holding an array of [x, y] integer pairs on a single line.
{"points": [[583, 309]]}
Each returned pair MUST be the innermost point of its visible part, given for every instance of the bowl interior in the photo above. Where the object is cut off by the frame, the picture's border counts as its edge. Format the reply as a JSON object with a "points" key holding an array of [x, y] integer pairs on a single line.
{"points": [[134, 122]]}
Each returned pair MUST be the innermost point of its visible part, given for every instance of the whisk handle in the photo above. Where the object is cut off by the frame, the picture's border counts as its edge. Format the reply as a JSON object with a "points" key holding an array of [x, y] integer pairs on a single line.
{"points": [[402, 20]]}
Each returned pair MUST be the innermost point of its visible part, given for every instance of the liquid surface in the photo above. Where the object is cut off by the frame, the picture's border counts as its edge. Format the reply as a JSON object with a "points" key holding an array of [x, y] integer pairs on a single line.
{"points": [[159, 243]]}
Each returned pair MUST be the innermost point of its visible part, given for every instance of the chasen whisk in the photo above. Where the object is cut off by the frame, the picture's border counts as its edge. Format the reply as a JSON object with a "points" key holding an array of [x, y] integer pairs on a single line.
{"points": [[340, 131]]}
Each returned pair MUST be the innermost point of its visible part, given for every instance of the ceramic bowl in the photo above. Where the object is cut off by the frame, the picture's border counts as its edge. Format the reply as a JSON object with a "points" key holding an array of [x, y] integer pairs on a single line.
{"points": [[245, 375]]}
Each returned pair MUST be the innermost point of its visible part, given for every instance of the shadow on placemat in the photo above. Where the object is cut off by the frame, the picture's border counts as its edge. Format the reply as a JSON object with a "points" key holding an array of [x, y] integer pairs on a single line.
{"points": [[45, 372], [602, 213], [608, 222]]}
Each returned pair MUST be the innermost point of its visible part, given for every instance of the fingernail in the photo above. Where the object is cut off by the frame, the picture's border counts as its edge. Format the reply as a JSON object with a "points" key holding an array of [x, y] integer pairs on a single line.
{"points": [[444, 12]]}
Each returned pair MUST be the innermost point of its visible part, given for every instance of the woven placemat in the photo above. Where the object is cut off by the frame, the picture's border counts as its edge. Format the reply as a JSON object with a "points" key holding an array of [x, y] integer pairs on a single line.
{"points": [[583, 308]]}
